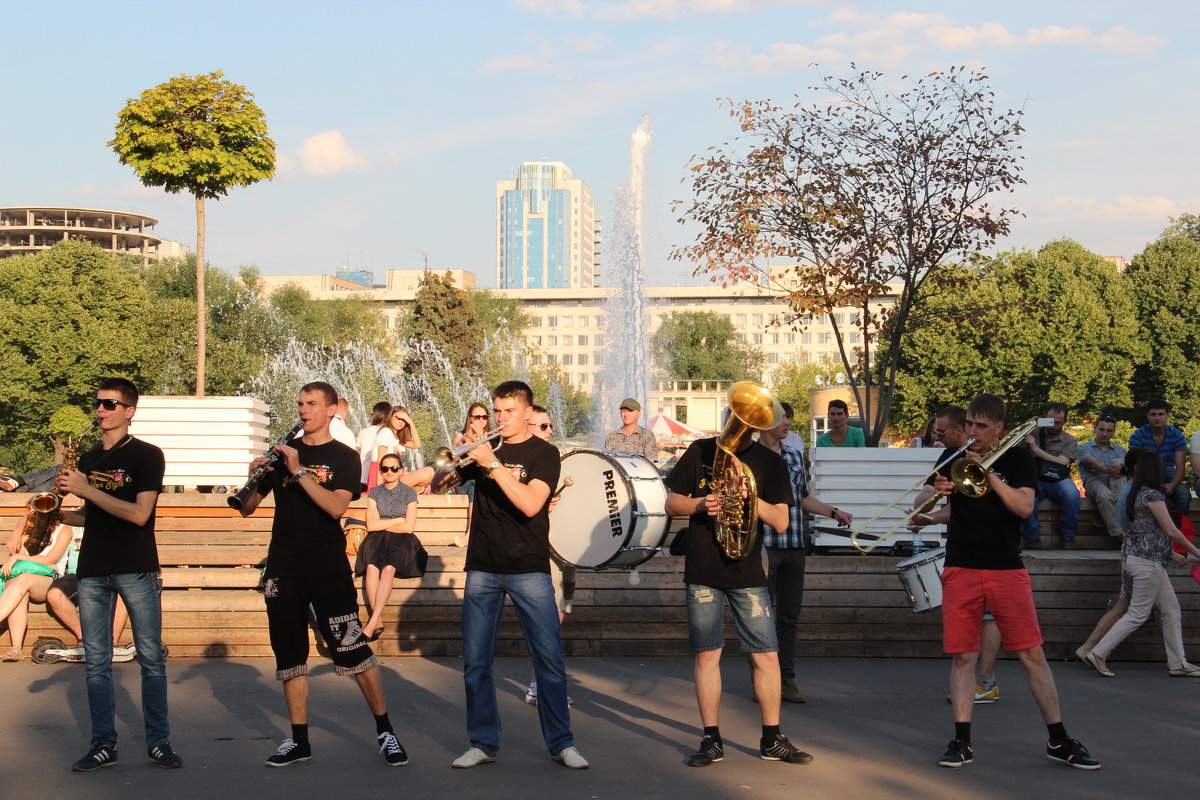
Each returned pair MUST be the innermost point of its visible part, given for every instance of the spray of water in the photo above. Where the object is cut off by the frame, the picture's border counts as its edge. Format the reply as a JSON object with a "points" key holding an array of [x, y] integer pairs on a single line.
{"points": [[627, 361]]}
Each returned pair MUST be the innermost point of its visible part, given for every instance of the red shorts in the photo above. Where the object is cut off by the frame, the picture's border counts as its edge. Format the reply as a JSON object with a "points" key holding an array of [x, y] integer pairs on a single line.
{"points": [[1007, 593]]}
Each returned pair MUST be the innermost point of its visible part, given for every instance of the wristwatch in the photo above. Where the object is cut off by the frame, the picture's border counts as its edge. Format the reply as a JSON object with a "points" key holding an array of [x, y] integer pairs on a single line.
{"points": [[300, 473], [494, 465]]}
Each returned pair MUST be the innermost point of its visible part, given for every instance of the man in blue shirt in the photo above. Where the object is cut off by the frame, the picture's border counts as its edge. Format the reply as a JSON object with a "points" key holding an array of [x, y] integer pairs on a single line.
{"points": [[1170, 443]]}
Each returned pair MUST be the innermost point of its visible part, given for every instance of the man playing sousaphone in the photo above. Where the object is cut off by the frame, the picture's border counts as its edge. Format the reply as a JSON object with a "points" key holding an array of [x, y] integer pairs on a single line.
{"points": [[714, 576], [984, 569]]}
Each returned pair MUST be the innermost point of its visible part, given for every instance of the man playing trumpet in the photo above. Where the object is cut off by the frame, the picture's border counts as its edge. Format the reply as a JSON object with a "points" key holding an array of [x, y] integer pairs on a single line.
{"points": [[984, 569]]}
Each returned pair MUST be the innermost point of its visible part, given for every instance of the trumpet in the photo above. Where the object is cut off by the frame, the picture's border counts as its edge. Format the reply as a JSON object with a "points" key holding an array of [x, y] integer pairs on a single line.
{"points": [[920, 509], [971, 477], [447, 460]]}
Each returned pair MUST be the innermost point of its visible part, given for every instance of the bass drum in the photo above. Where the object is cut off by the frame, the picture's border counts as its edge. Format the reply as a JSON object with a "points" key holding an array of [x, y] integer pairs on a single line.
{"points": [[614, 513]]}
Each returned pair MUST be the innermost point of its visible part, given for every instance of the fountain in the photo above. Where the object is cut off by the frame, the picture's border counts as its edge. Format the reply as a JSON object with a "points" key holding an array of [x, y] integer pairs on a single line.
{"points": [[626, 356]]}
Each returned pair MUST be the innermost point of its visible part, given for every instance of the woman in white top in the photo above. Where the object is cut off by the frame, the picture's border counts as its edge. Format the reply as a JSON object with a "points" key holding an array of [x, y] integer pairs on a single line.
{"points": [[24, 578], [366, 438], [399, 436]]}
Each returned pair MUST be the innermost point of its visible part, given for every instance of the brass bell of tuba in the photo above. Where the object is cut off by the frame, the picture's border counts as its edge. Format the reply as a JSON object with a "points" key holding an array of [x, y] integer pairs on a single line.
{"points": [[752, 407]]}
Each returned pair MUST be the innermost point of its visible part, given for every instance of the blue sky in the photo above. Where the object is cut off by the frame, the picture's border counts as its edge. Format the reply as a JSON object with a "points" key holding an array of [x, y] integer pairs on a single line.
{"points": [[394, 120]]}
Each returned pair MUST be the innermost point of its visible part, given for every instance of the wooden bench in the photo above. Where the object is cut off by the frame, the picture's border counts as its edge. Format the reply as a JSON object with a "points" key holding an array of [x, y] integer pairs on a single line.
{"points": [[853, 605]]}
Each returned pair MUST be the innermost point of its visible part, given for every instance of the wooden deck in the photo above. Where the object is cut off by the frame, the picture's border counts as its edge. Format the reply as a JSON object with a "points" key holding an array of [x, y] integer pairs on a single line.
{"points": [[854, 605]]}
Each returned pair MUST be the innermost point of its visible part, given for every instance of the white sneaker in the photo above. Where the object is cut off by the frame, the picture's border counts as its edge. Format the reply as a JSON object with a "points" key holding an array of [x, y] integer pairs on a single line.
{"points": [[531, 697], [473, 758], [571, 759], [124, 652]]}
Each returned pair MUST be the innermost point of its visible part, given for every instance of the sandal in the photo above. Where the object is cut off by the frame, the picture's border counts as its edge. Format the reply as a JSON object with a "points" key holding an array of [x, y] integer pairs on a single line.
{"points": [[1186, 671], [11, 654]]}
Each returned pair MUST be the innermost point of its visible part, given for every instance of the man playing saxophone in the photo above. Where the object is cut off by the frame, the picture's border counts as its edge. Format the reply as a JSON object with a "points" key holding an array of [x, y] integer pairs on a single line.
{"points": [[713, 577]]}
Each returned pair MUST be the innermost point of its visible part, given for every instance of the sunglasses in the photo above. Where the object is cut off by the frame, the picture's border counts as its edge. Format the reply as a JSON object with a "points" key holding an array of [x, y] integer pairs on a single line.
{"points": [[542, 426], [479, 416], [109, 404], [1107, 418], [389, 469]]}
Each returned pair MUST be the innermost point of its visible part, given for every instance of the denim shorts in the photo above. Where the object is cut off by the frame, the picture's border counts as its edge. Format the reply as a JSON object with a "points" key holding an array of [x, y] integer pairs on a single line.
{"points": [[752, 616]]}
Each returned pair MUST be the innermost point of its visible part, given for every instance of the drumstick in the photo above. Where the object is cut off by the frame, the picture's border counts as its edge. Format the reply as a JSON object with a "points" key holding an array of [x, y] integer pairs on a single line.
{"points": [[567, 481]]}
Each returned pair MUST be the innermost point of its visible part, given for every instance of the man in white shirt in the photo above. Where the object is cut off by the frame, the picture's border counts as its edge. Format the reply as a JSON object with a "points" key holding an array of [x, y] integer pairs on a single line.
{"points": [[338, 428]]}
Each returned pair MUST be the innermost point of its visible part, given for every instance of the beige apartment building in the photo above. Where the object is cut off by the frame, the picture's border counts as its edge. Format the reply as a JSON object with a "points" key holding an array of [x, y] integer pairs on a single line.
{"points": [[568, 324], [31, 229]]}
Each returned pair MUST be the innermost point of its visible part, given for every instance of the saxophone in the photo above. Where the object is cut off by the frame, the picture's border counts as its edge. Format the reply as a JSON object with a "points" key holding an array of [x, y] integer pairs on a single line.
{"points": [[46, 507], [751, 408]]}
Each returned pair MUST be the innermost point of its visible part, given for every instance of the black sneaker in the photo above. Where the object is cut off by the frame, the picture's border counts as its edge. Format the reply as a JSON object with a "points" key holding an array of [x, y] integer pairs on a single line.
{"points": [[783, 750], [391, 750], [102, 755], [165, 756], [1072, 752], [290, 752], [711, 750], [957, 753]]}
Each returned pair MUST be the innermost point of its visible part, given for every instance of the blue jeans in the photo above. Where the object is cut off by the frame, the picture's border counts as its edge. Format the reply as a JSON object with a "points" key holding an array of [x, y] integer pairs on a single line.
{"points": [[1066, 494], [1181, 498], [97, 604], [483, 605], [752, 617]]}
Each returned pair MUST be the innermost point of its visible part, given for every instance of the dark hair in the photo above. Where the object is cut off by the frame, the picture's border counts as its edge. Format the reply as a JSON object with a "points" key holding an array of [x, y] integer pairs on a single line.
{"points": [[1056, 408], [926, 433], [955, 415], [1158, 403], [330, 393], [839, 404], [386, 456], [380, 412], [467, 421], [1132, 456], [1147, 473], [787, 409], [989, 406], [517, 390], [539, 410], [123, 387], [1106, 418]]}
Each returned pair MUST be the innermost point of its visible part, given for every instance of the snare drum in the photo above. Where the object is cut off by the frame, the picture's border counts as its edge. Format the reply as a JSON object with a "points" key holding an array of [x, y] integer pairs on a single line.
{"points": [[614, 515], [921, 576]]}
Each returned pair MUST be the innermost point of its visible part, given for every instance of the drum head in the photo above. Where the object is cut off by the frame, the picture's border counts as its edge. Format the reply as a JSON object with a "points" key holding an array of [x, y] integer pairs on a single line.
{"points": [[592, 521]]}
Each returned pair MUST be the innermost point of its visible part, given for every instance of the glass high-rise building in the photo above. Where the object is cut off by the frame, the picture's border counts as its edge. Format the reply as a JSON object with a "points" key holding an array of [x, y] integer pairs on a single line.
{"points": [[547, 231]]}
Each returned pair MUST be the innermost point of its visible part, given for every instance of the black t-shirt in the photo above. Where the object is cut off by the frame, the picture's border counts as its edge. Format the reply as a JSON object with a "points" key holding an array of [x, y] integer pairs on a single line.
{"points": [[982, 533], [705, 564], [503, 540], [304, 539], [111, 545]]}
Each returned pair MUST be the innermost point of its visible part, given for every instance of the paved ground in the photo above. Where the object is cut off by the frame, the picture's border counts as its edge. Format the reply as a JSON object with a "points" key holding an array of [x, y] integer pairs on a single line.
{"points": [[876, 727]]}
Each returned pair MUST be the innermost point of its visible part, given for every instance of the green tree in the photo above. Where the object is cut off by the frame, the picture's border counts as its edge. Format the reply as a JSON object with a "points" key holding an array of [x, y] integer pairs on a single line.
{"points": [[1165, 277], [497, 312], [1057, 325], [203, 135], [69, 317], [868, 192], [790, 382], [1184, 225], [444, 315], [331, 323], [694, 345]]}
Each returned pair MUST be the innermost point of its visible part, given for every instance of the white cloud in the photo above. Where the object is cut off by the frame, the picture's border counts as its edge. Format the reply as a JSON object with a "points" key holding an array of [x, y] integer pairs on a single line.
{"points": [[588, 44], [894, 38], [1121, 209], [326, 154]]}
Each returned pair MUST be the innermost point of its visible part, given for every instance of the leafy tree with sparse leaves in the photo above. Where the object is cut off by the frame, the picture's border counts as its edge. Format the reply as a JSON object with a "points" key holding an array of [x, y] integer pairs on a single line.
{"points": [[868, 192], [203, 135], [444, 314], [1184, 225], [697, 345], [790, 382]]}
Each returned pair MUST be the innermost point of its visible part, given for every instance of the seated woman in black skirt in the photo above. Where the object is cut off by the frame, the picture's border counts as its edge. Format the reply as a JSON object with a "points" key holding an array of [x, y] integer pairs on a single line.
{"points": [[390, 548]]}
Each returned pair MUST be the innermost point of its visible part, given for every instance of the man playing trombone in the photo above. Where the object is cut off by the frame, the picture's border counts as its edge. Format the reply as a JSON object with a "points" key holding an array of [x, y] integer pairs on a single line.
{"points": [[983, 568]]}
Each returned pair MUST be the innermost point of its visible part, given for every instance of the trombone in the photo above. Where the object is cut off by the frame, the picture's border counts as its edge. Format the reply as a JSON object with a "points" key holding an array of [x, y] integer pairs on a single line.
{"points": [[447, 460], [920, 509], [971, 477]]}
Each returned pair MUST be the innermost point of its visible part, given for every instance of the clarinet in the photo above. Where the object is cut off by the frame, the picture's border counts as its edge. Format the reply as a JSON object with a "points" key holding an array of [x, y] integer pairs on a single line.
{"points": [[236, 501]]}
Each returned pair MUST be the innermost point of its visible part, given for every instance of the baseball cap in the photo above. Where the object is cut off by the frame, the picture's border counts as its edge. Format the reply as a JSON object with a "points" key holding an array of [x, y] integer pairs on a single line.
{"points": [[631, 404]]}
